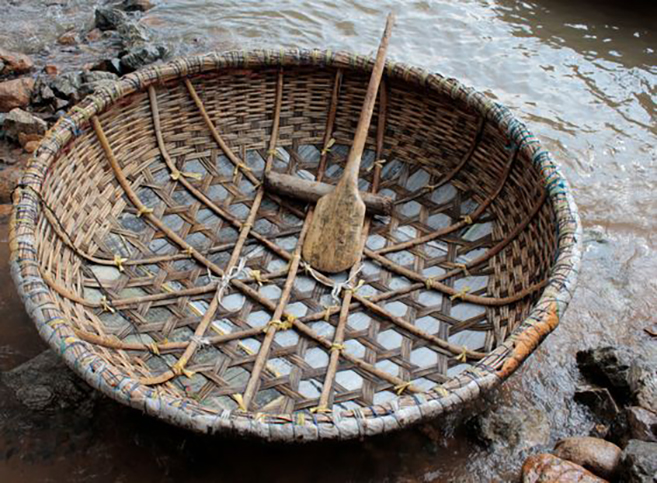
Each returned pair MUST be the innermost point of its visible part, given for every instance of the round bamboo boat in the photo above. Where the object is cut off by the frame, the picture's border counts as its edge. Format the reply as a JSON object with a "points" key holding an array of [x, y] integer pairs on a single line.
{"points": [[156, 263]]}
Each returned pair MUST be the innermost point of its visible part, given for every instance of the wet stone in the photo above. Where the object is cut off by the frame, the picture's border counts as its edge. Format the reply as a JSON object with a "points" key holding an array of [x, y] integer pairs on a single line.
{"points": [[596, 455], [14, 63], [44, 383], [512, 427], [109, 18], [598, 400], [639, 462], [19, 122], [642, 424], [15, 93], [136, 5], [546, 468], [142, 56]]}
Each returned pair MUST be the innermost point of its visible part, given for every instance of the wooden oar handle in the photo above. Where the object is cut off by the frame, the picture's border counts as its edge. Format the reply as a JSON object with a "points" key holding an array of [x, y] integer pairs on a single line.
{"points": [[353, 161]]}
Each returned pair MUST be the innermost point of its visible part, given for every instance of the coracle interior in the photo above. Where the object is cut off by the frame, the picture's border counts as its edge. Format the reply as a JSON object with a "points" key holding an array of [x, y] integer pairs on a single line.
{"points": [[138, 295]]}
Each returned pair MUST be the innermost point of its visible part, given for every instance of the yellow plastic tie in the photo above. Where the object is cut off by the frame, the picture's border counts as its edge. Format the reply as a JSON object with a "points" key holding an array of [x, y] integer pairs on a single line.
{"points": [[463, 356], [441, 390], [179, 369], [144, 211], [378, 163], [255, 274], [335, 347], [278, 325], [154, 348], [467, 219], [290, 319], [104, 303], [328, 146], [301, 419], [240, 402], [189, 251], [356, 288], [429, 282], [239, 166], [175, 175], [118, 261], [320, 410], [463, 267], [327, 314], [400, 388], [274, 152], [463, 292]]}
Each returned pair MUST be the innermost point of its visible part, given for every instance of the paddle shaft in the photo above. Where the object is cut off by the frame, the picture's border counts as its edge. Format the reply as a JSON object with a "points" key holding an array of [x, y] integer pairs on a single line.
{"points": [[334, 239], [350, 175]]}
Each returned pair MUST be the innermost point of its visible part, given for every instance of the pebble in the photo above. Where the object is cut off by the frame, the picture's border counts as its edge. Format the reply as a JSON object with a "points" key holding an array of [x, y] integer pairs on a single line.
{"points": [[68, 38], [94, 35], [108, 18], [14, 63], [15, 93], [596, 455], [136, 5], [547, 468]]}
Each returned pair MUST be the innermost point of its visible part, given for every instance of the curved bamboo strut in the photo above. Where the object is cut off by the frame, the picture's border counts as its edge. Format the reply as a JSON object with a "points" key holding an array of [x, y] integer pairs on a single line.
{"points": [[189, 186], [241, 286], [179, 366], [460, 224], [239, 164], [466, 157]]}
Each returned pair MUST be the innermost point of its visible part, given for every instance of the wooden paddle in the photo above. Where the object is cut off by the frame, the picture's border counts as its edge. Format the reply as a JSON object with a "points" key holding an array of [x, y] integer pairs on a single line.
{"points": [[333, 241]]}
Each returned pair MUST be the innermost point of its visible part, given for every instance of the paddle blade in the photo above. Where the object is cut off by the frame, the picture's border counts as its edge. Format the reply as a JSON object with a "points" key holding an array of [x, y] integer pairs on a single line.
{"points": [[333, 242]]}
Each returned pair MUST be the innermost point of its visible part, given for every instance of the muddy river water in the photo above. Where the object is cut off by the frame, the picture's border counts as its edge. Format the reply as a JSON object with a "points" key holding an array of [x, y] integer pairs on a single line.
{"points": [[582, 74]]}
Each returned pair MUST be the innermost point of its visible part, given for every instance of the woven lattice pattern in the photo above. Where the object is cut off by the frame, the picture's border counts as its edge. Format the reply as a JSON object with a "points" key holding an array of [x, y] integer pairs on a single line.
{"points": [[170, 262]]}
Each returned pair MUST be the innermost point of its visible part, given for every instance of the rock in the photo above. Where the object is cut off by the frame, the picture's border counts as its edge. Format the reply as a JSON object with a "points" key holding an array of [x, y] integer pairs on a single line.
{"points": [[9, 178], [68, 38], [629, 374], [608, 367], [133, 34], [642, 424], [93, 80], [14, 63], [15, 93], [108, 65], [94, 35], [5, 211], [67, 85], [598, 400], [36, 397], [642, 376], [108, 18], [136, 5], [142, 56], [639, 462], [546, 468], [24, 139], [42, 92], [19, 121], [51, 70], [596, 455], [45, 383], [513, 427]]}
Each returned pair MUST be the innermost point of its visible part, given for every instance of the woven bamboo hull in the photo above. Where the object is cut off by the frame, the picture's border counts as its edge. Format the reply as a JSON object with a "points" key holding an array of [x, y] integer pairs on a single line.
{"points": [[143, 203]]}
